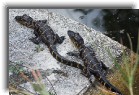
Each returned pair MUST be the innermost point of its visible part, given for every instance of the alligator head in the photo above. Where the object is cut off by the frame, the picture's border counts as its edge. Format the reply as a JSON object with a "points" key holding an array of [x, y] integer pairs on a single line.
{"points": [[25, 20], [76, 38]]}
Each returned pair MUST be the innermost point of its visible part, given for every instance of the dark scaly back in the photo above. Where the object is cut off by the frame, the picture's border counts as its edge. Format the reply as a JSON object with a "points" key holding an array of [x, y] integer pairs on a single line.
{"points": [[47, 36], [90, 61]]}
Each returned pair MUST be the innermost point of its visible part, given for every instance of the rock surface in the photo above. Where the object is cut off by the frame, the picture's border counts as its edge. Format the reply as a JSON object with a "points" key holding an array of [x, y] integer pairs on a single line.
{"points": [[22, 49]]}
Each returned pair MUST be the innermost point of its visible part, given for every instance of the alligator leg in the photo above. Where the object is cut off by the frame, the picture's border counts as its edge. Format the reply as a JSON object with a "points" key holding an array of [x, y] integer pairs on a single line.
{"points": [[36, 33], [35, 40], [59, 39], [44, 21], [75, 54], [91, 79], [104, 66]]}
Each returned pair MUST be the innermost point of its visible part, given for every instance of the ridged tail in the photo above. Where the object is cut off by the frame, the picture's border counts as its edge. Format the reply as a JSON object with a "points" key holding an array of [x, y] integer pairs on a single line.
{"points": [[108, 85], [102, 79], [61, 59]]}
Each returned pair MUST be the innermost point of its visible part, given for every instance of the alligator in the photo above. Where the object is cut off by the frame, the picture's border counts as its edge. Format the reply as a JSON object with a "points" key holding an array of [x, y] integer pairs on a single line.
{"points": [[45, 34], [92, 64]]}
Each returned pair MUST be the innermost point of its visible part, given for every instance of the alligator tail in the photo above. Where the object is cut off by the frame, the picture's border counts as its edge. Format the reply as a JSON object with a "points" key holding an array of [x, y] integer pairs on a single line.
{"points": [[61, 59], [108, 85]]}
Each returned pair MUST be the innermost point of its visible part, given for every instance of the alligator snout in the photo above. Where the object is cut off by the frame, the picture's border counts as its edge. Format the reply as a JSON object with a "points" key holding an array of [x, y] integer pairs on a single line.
{"points": [[17, 18], [70, 33]]}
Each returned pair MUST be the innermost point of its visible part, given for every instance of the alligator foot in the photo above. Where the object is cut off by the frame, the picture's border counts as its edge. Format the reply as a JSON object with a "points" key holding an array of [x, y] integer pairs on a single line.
{"points": [[61, 39], [36, 33], [44, 21], [91, 79], [58, 39], [104, 69], [36, 40], [104, 66]]}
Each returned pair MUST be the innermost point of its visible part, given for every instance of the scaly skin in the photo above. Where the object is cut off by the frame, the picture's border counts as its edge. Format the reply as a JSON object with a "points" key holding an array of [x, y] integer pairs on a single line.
{"points": [[93, 66], [45, 34]]}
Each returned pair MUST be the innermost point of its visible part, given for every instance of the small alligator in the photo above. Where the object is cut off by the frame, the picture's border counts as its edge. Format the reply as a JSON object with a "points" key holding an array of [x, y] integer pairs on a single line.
{"points": [[93, 66], [45, 34]]}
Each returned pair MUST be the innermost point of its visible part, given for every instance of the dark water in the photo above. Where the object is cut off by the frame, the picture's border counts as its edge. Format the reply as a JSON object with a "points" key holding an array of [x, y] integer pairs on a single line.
{"points": [[121, 22], [116, 24]]}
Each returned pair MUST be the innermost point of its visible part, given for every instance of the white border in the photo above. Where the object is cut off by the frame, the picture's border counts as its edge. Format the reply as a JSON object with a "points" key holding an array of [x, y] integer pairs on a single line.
{"points": [[64, 3]]}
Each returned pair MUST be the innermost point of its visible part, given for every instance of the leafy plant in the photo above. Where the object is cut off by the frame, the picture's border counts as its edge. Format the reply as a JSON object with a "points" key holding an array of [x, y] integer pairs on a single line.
{"points": [[38, 86], [39, 48]]}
